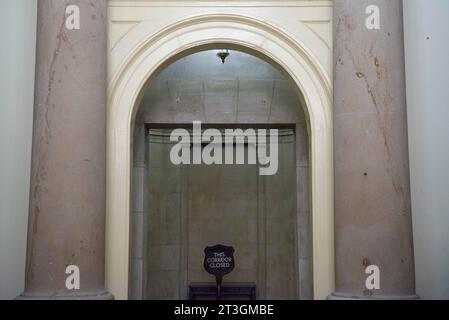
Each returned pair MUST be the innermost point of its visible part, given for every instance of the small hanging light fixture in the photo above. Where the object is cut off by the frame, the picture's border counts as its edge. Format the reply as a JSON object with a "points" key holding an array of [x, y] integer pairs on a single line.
{"points": [[223, 54]]}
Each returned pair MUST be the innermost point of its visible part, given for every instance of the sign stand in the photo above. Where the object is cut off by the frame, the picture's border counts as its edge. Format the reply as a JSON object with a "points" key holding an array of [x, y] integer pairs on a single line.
{"points": [[219, 283], [219, 261]]}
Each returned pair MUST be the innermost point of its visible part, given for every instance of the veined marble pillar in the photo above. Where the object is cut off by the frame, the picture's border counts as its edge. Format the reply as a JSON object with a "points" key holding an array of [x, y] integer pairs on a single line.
{"points": [[67, 198], [372, 192]]}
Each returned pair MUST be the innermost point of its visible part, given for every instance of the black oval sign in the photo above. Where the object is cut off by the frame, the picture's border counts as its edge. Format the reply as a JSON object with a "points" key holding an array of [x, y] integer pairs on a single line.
{"points": [[219, 260]]}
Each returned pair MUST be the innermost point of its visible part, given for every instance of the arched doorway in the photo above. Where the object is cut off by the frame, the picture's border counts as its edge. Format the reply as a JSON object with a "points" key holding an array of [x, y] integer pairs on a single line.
{"points": [[178, 210], [196, 33]]}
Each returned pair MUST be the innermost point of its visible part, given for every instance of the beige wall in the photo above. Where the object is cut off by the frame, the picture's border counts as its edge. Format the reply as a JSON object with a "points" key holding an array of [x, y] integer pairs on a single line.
{"points": [[17, 59]]}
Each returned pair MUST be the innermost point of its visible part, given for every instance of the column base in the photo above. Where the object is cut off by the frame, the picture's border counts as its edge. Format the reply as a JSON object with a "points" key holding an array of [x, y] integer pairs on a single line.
{"points": [[92, 295], [345, 296]]}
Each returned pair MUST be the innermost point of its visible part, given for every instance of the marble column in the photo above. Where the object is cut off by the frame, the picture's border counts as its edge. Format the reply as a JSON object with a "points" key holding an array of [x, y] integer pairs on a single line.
{"points": [[67, 198], [372, 190]]}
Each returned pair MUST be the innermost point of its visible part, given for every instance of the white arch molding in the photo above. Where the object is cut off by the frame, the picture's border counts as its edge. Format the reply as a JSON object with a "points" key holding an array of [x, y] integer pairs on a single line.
{"points": [[124, 94]]}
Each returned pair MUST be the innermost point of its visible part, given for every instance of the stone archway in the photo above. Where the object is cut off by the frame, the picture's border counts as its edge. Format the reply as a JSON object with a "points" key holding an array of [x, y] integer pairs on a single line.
{"points": [[248, 34]]}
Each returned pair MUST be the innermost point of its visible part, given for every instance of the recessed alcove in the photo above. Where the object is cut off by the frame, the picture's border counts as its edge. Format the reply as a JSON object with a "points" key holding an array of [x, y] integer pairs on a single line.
{"points": [[179, 210]]}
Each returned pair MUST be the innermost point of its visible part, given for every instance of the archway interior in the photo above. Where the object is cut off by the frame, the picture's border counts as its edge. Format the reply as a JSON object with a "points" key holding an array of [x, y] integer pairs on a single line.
{"points": [[179, 210]]}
